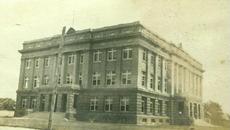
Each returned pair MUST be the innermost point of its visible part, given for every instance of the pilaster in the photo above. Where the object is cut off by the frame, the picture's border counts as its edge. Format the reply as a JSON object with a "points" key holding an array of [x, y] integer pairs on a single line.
{"points": [[163, 76], [156, 72], [21, 75], [163, 107], [59, 98], [156, 107], [172, 79]]}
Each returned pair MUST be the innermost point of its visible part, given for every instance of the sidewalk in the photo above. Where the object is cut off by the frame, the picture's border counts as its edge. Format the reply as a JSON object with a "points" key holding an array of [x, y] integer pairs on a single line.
{"points": [[13, 128]]}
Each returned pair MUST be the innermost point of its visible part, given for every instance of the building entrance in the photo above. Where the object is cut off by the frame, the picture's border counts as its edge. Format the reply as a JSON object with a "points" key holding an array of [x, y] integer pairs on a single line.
{"points": [[63, 102]]}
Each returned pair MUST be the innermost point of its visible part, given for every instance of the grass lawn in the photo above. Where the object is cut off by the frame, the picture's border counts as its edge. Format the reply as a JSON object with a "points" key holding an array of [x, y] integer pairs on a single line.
{"points": [[5, 113], [40, 121]]}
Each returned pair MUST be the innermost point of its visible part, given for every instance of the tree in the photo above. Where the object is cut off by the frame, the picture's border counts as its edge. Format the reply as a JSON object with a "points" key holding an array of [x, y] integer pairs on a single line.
{"points": [[214, 112], [7, 104]]}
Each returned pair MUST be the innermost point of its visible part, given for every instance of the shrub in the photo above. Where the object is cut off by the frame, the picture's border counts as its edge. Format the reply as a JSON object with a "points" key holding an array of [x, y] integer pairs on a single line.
{"points": [[20, 112]]}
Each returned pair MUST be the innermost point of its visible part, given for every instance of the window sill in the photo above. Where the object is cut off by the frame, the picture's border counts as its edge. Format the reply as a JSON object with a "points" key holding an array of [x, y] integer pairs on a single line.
{"points": [[111, 60], [97, 61], [127, 59]]}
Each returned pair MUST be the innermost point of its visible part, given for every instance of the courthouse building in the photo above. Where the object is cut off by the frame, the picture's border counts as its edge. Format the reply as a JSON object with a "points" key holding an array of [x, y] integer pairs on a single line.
{"points": [[122, 73]]}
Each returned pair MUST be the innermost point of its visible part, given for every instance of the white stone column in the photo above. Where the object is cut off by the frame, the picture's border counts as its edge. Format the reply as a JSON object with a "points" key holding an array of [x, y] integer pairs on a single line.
{"points": [[182, 79], [163, 75], [172, 78], [148, 73], [156, 107], [22, 74], [70, 111], [185, 77], [164, 108], [190, 83], [197, 86], [187, 81], [156, 73], [193, 84], [178, 78], [188, 109], [201, 88], [192, 110]]}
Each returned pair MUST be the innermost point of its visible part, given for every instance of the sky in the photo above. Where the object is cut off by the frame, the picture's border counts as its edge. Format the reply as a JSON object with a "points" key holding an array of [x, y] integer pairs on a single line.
{"points": [[202, 26]]}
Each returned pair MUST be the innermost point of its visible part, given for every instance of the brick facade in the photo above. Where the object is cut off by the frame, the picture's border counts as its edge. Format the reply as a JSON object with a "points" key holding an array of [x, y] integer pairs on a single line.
{"points": [[121, 73]]}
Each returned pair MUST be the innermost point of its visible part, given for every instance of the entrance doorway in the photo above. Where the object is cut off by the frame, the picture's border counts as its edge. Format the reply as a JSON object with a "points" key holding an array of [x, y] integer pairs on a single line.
{"points": [[63, 102], [42, 102]]}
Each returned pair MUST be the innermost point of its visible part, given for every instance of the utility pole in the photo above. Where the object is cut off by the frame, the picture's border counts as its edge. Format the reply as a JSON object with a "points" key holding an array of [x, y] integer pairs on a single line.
{"points": [[57, 67]]}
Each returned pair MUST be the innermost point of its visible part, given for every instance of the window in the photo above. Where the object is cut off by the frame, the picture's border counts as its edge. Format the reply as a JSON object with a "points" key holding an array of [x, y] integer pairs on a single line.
{"points": [[153, 120], [143, 78], [152, 106], [152, 59], [24, 103], [110, 78], [167, 108], [69, 79], [46, 61], [159, 66], [159, 83], [144, 55], [126, 77], [159, 73], [180, 78], [191, 112], [36, 82], [81, 58], [75, 99], [93, 104], [111, 55], [71, 59], [144, 120], [166, 85], [127, 53], [26, 82], [108, 104], [160, 105], [28, 63], [144, 105], [199, 115], [59, 79], [180, 108], [60, 58], [124, 104], [33, 103], [195, 110], [37, 62], [175, 77], [46, 80], [80, 78], [152, 83], [97, 56], [96, 78]]}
